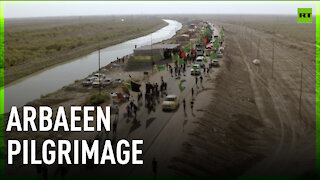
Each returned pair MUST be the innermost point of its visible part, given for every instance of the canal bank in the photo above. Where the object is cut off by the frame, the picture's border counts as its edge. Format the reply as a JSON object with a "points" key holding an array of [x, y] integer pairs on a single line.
{"points": [[57, 77]]}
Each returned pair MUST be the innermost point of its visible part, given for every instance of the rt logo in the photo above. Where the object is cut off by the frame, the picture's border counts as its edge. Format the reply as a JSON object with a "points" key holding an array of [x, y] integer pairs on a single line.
{"points": [[304, 15]]}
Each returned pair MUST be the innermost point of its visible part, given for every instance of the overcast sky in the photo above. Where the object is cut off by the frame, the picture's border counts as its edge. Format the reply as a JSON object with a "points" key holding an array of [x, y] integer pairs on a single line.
{"points": [[42, 9]]}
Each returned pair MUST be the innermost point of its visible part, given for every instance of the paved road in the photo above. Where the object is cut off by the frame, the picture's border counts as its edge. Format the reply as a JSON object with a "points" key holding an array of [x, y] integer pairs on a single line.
{"points": [[150, 126]]}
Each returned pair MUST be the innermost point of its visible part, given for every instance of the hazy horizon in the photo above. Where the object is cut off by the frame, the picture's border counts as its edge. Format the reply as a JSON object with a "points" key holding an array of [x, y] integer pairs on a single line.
{"points": [[112, 8]]}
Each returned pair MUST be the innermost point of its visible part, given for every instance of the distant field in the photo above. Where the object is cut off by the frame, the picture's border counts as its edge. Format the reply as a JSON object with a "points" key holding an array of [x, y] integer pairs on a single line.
{"points": [[286, 26], [36, 43]]}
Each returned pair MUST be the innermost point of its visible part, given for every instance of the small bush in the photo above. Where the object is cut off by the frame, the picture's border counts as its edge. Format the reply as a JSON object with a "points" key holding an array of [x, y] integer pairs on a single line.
{"points": [[97, 99]]}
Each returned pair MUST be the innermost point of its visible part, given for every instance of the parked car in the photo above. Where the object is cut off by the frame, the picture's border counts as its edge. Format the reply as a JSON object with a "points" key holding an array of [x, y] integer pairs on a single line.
{"points": [[219, 54], [96, 83], [107, 81], [170, 103], [199, 60], [97, 75], [195, 70], [118, 81], [88, 82], [215, 62], [221, 49]]}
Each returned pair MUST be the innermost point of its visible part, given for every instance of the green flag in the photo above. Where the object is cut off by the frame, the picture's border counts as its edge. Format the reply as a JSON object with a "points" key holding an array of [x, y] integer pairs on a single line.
{"points": [[191, 45], [181, 88], [128, 85], [161, 68], [186, 50], [175, 58], [213, 55], [216, 45], [181, 61], [207, 32], [194, 67]]}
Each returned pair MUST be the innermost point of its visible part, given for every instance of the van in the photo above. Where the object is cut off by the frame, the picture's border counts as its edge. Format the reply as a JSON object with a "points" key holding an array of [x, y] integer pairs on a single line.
{"points": [[199, 50]]}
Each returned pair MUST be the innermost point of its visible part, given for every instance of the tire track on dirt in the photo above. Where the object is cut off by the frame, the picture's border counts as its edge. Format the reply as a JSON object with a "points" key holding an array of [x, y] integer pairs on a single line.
{"points": [[279, 106]]}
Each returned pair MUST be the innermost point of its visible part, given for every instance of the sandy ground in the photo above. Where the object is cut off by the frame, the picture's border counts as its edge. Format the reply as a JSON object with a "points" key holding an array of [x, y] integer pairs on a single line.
{"points": [[253, 125]]}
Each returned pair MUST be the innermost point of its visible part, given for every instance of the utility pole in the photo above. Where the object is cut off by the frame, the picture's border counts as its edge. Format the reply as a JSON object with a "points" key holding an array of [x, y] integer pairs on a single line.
{"points": [[99, 74], [152, 63], [272, 56], [258, 52], [300, 89]]}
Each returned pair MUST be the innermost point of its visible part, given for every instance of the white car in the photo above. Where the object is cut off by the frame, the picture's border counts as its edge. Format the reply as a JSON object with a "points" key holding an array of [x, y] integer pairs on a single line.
{"points": [[99, 75], [107, 81], [221, 49], [88, 81], [96, 83], [195, 70], [118, 81], [219, 54], [170, 103], [215, 62], [199, 61]]}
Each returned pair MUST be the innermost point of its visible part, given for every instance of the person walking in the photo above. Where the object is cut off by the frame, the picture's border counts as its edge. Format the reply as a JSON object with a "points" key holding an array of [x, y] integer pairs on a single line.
{"points": [[128, 111], [114, 127], [171, 71], [45, 172], [154, 166], [135, 108], [201, 78], [184, 104], [196, 80], [191, 104], [192, 92]]}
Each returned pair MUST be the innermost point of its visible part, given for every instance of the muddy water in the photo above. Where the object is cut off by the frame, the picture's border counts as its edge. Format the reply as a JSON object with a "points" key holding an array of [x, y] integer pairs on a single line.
{"points": [[55, 78]]}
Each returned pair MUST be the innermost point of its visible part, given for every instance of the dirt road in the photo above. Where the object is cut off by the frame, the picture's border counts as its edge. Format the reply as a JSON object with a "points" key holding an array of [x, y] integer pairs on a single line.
{"points": [[262, 129]]}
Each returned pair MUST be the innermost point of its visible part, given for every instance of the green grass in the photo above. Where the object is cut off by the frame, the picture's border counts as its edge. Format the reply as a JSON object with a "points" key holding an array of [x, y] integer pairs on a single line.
{"points": [[36, 43]]}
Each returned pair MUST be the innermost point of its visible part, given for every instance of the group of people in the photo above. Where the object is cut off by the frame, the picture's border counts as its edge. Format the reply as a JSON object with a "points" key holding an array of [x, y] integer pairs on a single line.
{"points": [[132, 107], [178, 69], [153, 93]]}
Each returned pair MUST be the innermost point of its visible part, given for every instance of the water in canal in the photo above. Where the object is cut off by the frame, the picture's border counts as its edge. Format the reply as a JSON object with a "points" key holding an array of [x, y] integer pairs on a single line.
{"points": [[55, 78]]}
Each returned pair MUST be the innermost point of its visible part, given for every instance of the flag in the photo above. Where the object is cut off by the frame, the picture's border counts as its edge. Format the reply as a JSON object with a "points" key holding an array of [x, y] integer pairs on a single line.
{"points": [[186, 50], [181, 88], [205, 60], [135, 87], [205, 41], [207, 32], [213, 55], [181, 61], [182, 54], [160, 68], [194, 67], [175, 58], [216, 45], [128, 85]]}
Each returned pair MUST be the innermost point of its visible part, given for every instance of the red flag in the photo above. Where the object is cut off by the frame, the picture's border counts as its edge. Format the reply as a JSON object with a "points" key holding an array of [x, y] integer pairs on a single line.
{"points": [[205, 41], [182, 54]]}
